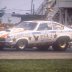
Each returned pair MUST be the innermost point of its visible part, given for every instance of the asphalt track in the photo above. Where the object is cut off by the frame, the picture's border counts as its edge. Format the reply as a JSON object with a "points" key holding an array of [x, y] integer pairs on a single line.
{"points": [[35, 54]]}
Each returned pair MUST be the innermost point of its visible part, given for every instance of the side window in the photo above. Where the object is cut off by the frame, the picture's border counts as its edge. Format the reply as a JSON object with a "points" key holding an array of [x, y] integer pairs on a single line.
{"points": [[44, 26], [58, 27]]}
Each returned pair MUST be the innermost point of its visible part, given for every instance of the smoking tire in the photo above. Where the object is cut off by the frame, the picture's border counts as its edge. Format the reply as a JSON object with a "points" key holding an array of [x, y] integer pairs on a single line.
{"points": [[21, 44], [61, 44]]}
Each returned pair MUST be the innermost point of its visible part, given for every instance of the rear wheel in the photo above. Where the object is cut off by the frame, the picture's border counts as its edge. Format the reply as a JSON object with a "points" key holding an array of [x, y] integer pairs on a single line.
{"points": [[21, 44], [61, 44]]}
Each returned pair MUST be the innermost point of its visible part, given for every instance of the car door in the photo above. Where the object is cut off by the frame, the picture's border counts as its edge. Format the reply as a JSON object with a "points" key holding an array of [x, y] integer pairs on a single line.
{"points": [[50, 34], [44, 30]]}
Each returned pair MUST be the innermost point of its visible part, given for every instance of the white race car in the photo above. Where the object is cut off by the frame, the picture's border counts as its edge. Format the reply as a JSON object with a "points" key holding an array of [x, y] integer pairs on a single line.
{"points": [[40, 34]]}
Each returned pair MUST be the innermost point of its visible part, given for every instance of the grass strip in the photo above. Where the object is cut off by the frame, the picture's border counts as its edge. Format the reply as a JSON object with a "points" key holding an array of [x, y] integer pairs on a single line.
{"points": [[36, 65]]}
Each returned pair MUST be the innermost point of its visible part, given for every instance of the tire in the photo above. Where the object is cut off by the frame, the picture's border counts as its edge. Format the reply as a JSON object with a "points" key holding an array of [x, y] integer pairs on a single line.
{"points": [[61, 44], [21, 44]]}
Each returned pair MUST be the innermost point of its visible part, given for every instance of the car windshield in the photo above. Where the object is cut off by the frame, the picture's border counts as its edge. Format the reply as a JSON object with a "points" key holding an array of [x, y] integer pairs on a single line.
{"points": [[27, 25]]}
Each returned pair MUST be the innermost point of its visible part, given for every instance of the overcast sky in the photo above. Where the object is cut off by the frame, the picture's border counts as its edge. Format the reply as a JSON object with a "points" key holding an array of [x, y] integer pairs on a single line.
{"points": [[19, 5]]}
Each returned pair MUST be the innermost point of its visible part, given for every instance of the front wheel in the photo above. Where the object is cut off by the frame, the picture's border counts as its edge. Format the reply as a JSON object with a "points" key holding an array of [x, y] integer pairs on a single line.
{"points": [[21, 44]]}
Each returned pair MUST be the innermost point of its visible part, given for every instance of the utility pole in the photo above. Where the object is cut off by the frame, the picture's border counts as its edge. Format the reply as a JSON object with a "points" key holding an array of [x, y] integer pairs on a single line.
{"points": [[33, 10], [32, 7]]}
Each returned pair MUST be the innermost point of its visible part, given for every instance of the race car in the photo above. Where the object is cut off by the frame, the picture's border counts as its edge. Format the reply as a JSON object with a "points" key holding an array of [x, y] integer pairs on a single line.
{"points": [[40, 34]]}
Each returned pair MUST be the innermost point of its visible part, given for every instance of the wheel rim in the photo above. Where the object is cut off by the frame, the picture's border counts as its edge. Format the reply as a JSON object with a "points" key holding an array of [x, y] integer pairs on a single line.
{"points": [[21, 45], [62, 45]]}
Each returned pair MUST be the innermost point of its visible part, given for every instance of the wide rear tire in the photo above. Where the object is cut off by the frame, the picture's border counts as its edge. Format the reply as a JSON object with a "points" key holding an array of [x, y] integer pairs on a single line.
{"points": [[61, 44]]}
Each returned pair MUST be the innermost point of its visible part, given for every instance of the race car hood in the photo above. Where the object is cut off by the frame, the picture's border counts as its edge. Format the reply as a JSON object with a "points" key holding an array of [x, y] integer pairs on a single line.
{"points": [[6, 33], [3, 34], [16, 30]]}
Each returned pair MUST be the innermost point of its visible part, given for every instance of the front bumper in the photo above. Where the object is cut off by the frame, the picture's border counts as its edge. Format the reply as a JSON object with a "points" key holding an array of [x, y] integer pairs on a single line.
{"points": [[5, 43]]}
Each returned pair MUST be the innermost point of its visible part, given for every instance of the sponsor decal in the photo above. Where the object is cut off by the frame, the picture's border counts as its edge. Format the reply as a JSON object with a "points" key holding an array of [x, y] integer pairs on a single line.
{"points": [[55, 35], [44, 36], [36, 37], [29, 38], [4, 36]]}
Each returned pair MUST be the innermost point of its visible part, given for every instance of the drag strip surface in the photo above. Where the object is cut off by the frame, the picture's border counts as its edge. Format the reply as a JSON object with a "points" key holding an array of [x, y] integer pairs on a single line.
{"points": [[33, 54]]}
